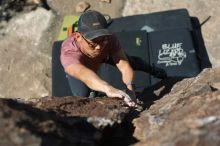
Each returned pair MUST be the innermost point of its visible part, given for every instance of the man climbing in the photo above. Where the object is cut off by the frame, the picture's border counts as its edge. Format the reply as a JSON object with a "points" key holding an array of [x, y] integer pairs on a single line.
{"points": [[89, 47]]}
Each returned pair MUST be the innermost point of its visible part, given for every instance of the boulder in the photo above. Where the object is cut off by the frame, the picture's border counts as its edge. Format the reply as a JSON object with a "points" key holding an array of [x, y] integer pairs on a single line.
{"points": [[188, 115], [70, 121], [24, 65]]}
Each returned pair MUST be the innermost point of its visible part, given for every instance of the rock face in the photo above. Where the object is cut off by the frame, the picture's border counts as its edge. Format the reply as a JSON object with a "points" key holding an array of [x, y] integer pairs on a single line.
{"points": [[24, 66], [201, 9], [101, 112], [59, 121], [188, 115], [12, 117]]}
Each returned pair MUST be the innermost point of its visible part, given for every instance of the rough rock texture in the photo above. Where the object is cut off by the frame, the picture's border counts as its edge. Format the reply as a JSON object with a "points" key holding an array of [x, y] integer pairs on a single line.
{"points": [[24, 65], [10, 8], [188, 115], [198, 8], [59, 121], [67, 8], [12, 131], [100, 112]]}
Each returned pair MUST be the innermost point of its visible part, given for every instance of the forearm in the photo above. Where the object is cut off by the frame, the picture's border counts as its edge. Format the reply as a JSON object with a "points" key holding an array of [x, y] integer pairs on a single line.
{"points": [[89, 77], [127, 75], [93, 81], [125, 68]]}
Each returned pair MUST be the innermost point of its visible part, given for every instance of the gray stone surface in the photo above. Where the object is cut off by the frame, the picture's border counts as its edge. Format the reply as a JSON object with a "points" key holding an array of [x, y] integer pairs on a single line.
{"points": [[198, 8], [24, 65], [68, 7]]}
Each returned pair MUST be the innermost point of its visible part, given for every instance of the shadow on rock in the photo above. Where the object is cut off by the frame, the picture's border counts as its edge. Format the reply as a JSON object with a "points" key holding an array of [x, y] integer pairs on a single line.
{"points": [[47, 126], [65, 121], [153, 93]]}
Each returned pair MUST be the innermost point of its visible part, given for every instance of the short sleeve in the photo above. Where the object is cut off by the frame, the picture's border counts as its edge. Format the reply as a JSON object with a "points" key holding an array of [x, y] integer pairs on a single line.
{"points": [[70, 54]]}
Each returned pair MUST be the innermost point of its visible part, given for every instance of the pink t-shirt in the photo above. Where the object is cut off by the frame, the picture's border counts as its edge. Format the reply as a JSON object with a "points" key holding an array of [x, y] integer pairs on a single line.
{"points": [[71, 53]]}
